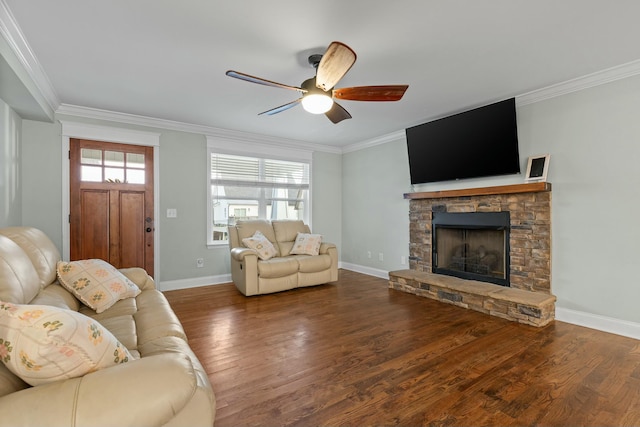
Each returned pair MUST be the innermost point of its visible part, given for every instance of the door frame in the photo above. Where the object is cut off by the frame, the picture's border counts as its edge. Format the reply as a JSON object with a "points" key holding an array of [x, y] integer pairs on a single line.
{"points": [[115, 135]]}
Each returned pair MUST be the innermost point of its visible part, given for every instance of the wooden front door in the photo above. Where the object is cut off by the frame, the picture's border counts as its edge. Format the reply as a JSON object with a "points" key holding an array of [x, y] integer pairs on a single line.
{"points": [[111, 199]]}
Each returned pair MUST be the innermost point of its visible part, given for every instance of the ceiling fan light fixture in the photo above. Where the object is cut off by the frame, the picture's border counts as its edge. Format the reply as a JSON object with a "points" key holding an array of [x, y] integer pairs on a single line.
{"points": [[317, 103]]}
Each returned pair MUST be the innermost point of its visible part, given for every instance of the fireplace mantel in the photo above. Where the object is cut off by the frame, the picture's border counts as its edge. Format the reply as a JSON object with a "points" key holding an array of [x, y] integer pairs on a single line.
{"points": [[531, 187]]}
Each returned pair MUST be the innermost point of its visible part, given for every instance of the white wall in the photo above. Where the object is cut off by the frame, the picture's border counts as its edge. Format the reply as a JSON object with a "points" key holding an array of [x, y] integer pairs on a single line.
{"points": [[375, 216], [594, 140], [593, 137], [10, 180], [42, 176], [326, 209]]}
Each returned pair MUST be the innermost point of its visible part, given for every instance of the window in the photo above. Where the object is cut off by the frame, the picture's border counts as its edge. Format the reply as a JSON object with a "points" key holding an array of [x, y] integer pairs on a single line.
{"points": [[248, 187]]}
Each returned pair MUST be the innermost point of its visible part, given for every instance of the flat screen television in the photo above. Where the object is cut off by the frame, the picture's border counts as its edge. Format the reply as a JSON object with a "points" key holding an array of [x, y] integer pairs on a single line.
{"points": [[477, 143]]}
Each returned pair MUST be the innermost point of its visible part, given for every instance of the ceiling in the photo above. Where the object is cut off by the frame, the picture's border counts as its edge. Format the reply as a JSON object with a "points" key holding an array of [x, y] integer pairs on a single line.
{"points": [[167, 59]]}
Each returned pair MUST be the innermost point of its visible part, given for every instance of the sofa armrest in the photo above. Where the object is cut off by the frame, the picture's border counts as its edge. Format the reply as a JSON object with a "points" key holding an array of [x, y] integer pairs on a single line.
{"points": [[331, 250], [239, 254], [139, 276], [244, 270], [147, 391], [325, 246]]}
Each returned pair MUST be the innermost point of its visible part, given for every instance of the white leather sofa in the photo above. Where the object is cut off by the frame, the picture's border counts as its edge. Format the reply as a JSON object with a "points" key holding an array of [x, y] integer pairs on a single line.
{"points": [[163, 384], [284, 271]]}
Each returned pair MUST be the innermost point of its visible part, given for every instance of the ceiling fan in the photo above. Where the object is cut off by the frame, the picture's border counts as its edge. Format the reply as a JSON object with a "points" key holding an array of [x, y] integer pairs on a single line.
{"points": [[319, 94]]}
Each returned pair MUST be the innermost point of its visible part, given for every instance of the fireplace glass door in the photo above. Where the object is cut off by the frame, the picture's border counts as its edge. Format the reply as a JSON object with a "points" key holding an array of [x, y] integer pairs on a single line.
{"points": [[472, 251]]}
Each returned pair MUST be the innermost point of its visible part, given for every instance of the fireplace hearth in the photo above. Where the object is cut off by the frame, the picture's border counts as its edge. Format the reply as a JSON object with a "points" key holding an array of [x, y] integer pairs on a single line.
{"points": [[472, 245]]}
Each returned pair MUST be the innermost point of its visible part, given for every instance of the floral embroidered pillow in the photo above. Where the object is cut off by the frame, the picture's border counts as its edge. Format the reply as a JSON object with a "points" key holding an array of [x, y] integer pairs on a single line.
{"points": [[96, 283], [41, 343], [307, 244], [260, 244]]}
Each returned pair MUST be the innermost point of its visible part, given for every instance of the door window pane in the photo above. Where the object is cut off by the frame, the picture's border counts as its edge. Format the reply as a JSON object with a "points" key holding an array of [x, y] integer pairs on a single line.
{"points": [[90, 157], [114, 158], [135, 160], [135, 176], [114, 174], [91, 173]]}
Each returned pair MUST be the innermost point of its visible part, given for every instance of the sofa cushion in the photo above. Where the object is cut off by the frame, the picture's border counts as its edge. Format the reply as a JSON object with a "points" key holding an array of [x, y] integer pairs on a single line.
{"points": [[155, 318], [96, 283], [313, 264], [10, 382], [41, 344], [123, 307], [286, 232], [307, 244], [19, 281], [261, 245], [42, 252], [277, 267], [248, 228], [124, 329], [56, 295]]}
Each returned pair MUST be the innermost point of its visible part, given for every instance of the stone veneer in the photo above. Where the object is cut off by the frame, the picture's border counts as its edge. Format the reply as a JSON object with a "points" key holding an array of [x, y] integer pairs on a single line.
{"points": [[529, 206]]}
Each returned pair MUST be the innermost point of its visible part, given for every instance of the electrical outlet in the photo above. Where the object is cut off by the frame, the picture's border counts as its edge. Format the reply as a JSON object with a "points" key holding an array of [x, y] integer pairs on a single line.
{"points": [[200, 262], [403, 260], [369, 254], [380, 257], [172, 213]]}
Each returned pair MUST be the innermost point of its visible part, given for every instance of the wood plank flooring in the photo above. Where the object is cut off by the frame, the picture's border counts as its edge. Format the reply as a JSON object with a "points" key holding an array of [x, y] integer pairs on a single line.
{"points": [[357, 353]]}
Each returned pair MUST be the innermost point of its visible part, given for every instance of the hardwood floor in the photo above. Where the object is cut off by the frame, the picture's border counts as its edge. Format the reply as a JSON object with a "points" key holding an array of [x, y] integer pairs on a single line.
{"points": [[357, 353]]}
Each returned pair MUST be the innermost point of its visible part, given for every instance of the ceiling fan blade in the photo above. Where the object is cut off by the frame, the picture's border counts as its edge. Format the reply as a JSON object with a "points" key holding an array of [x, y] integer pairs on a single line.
{"points": [[335, 63], [260, 81], [281, 108], [371, 93], [337, 114]]}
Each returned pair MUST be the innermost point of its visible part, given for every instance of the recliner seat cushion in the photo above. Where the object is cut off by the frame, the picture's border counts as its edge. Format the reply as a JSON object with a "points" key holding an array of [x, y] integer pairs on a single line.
{"points": [[313, 264], [277, 267]]}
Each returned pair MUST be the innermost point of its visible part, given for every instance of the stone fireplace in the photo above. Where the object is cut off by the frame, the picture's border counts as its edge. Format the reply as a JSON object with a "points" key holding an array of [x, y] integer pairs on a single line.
{"points": [[486, 249]]}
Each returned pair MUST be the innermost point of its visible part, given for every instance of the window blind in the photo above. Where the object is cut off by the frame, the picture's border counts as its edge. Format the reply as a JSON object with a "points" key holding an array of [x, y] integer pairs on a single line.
{"points": [[244, 171]]}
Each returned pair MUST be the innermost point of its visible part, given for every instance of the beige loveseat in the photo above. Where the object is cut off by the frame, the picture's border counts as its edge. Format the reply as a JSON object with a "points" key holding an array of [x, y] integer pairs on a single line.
{"points": [[254, 276], [163, 384]]}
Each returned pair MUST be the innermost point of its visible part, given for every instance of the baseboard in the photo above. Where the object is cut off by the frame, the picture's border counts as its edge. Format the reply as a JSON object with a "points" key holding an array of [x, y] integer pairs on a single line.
{"points": [[172, 285], [601, 323], [383, 274]]}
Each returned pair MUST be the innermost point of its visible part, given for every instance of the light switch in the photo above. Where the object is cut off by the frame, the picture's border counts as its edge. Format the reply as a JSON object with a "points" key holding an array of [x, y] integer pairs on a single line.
{"points": [[172, 213]]}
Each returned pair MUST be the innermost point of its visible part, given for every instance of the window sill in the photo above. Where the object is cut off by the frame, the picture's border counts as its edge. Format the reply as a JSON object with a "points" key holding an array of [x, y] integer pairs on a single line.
{"points": [[218, 245]]}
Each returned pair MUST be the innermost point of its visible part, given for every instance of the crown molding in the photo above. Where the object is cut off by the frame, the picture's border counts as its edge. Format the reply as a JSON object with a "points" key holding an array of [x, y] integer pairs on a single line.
{"points": [[228, 134], [22, 56], [598, 78]]}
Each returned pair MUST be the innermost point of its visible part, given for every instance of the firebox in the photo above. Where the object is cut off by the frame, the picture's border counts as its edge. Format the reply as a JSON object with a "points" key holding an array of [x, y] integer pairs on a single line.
{"points": [[472, 245]]}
